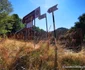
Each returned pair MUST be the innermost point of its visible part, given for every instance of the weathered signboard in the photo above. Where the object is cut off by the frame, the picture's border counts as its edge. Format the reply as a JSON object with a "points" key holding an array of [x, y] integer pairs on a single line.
{"points": [[42, 16], [37, 12], [52, 9], [31, 16]]}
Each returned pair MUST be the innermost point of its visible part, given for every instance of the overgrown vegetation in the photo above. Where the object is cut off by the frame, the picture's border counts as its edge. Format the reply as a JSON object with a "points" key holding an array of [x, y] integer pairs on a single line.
{"points": [[8, 23], [74, 37], [22, 55]]}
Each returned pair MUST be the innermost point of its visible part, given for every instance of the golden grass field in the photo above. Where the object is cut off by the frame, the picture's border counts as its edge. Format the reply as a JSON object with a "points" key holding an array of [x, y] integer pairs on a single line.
{"points": [[20, 55]]}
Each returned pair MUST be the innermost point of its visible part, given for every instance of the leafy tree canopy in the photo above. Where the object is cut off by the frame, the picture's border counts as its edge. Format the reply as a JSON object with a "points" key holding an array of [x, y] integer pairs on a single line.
{"points": [[5, 6], [81, 23], [17, 24]]}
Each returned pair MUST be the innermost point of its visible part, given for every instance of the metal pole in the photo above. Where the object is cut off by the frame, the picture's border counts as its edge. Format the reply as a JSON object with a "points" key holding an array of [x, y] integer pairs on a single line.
{"points": [[34, 33], [25, 32], [46, 26], [55, 61]]}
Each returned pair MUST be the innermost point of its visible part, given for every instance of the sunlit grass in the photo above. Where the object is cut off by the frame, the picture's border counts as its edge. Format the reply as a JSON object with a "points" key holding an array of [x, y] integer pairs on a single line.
{"points": [[19, 54]]}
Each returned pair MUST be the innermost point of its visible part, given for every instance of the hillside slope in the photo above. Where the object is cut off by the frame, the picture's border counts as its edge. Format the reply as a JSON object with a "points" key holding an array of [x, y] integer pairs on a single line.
{"points": [[59, 32]]}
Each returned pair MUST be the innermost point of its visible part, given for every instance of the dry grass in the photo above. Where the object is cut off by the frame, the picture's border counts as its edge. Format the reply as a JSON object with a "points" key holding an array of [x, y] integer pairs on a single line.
{"points": [[11, 50], [19, 55], [70, 58]]}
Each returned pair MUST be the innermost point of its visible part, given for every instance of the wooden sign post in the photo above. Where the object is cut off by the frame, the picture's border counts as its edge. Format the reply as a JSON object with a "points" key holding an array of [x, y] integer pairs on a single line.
{"points": [[34, 33], [51, 10], [46, 26], [44, 16], [37, 14]]}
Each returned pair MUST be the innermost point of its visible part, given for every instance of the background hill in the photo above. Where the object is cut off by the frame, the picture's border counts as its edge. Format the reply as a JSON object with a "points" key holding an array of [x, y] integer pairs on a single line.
{"points": [[60, 31]]}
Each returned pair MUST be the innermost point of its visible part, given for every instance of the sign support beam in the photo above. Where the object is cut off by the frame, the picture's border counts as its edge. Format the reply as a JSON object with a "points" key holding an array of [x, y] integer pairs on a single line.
{"points": [[55, 61], [51, 10], [46, 26], [41, 17], [34, 33]]}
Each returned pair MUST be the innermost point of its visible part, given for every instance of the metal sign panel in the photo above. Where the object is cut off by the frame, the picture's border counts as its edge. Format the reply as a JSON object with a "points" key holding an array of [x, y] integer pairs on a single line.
{"points": [[52, 9], [31, 16], [42, 16], [37, 12]]}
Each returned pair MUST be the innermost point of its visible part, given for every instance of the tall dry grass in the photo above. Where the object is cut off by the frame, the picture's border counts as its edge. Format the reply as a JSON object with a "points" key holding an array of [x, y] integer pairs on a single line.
{"points": [[20, 55]]}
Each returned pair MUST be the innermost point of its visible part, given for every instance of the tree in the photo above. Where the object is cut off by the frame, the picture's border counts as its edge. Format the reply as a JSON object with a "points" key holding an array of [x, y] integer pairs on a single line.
{"points": [[81, 24], [5, 9], [5, 6], [37, 29], [17, 24], [6, 25]]}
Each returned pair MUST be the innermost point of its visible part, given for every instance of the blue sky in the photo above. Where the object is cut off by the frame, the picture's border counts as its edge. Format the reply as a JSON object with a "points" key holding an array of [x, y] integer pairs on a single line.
{"points": [[66, 15]]}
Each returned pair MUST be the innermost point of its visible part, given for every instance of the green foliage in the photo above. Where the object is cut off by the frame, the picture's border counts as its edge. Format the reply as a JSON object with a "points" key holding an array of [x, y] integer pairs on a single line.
{"points": [[9, 24], [5, 25], [5, 6], [5, 9], [81, 23], [38, 29], [17, 24]]}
